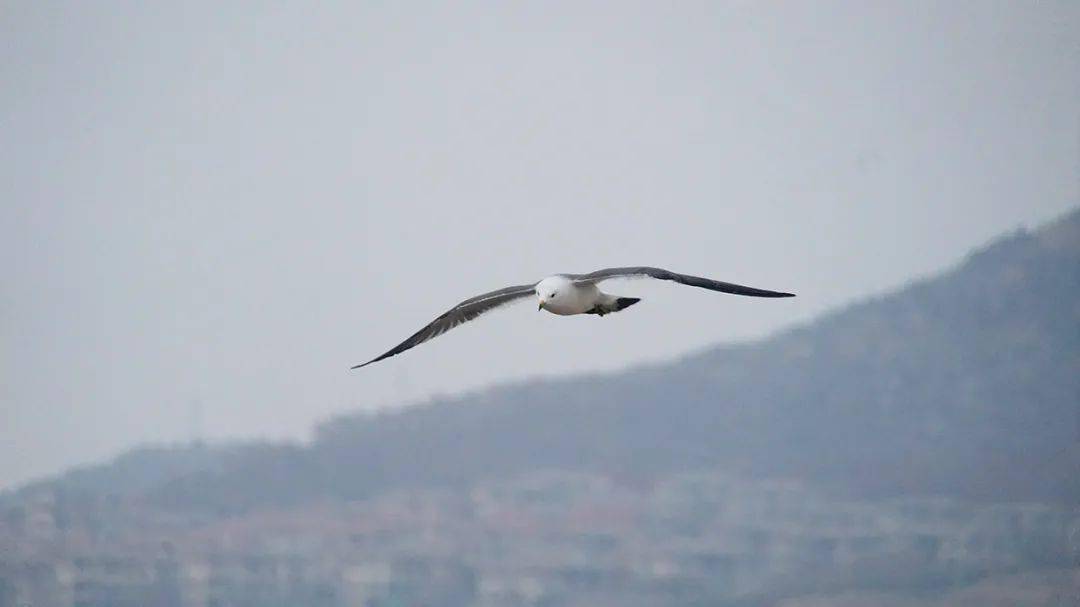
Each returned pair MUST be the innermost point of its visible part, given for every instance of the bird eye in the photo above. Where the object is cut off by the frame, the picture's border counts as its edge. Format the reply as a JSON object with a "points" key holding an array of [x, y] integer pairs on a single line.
{"points": [[554, 293]]}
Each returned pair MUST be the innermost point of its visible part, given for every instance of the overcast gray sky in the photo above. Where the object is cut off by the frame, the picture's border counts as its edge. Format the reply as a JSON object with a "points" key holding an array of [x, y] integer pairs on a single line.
{"points": [[229, 204]]}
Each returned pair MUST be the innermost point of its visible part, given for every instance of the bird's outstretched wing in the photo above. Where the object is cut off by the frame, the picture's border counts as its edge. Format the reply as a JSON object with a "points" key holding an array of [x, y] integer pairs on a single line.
{"points": [[459, 314], [662, 274]]}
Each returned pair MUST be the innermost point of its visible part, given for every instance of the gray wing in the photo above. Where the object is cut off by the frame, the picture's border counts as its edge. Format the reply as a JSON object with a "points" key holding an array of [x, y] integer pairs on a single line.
{"points": [[662, 274], [459, 314]]}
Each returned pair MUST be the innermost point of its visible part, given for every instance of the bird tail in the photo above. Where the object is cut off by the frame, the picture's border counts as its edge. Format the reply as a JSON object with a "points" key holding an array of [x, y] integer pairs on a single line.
{"points": [[610, 304]]}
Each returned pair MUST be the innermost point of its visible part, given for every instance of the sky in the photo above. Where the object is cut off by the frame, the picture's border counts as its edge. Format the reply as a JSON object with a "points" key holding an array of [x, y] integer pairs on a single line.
{"points": [[210, 211]]}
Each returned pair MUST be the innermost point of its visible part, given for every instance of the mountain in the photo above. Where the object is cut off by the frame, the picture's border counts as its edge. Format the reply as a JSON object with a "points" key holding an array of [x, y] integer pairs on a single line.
{"points": [[966, 384]]}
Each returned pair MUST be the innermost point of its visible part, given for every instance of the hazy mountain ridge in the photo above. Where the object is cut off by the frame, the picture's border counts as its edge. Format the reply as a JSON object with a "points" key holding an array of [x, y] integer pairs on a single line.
{"points": [[965, 384]]}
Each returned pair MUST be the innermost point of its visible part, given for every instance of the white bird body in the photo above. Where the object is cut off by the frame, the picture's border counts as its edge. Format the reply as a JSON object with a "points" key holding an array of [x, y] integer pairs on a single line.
{"points": [[562, 296], [565, 295]]}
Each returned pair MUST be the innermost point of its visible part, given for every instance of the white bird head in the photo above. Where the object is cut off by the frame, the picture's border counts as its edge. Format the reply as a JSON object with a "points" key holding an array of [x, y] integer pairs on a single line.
{"points": [[548, 290]]}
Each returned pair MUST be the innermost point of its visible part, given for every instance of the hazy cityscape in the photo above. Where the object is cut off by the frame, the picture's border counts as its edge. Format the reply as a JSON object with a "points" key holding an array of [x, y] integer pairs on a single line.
{"points": [[550, 538]]}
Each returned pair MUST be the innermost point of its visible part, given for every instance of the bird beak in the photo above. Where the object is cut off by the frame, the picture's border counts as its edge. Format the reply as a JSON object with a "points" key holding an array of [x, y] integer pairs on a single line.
{"points": [[541, 306]]}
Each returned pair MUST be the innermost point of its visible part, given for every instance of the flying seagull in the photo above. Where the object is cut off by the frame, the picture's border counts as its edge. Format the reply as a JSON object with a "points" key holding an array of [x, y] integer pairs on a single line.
{"points": [[565, 295]]}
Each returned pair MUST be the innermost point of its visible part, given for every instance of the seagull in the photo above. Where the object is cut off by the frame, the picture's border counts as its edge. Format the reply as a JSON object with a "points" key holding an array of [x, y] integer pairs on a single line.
{"points": [[565, 295]]}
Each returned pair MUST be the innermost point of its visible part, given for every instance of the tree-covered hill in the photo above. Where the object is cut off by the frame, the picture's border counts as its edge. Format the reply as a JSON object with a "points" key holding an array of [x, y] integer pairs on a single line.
{"points": [[965, 384]]}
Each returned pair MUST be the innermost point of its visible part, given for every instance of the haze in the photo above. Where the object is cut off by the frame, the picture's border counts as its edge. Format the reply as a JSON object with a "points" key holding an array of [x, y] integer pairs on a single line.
{"points": [[211, 211]]}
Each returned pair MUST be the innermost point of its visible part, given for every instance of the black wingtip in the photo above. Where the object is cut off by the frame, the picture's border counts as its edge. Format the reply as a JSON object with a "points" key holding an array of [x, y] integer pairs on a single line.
{"points": [[374, 360]]}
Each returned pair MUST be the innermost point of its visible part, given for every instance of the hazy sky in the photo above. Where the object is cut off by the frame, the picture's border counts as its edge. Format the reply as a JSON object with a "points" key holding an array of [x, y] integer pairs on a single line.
{"points": [[223, 206]]}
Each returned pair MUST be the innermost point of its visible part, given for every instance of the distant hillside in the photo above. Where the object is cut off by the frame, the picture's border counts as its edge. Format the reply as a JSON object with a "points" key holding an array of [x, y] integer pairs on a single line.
{"points": [[966, 384]]}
